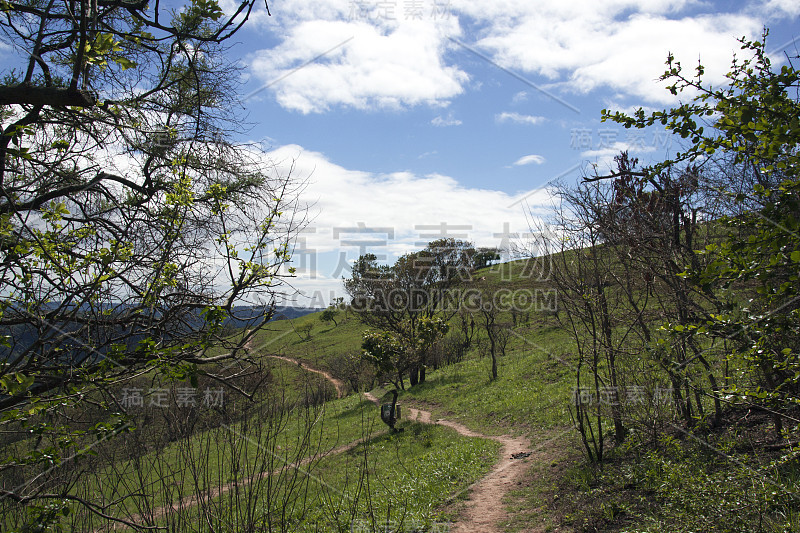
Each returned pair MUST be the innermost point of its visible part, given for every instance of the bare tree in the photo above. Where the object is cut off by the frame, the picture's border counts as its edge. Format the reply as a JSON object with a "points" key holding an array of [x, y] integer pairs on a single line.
{"points": [[625, 240], [489, 313]]}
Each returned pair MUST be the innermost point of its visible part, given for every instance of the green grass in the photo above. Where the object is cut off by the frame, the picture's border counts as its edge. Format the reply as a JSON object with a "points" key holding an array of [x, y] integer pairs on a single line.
{"points": [[681, 486], [283, 337], [317, 431], [530, 395], [292, 381], [531, 392], [409, 479], [412, 476], [413, 469]]}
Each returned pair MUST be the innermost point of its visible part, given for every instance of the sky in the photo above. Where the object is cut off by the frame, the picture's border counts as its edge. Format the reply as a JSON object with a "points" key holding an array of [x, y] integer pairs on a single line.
{"points": [[412, 120]]}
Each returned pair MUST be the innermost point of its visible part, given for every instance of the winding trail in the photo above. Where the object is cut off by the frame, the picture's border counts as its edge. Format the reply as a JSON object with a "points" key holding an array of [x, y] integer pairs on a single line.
{"points": [[484, 509], [339, 384], [208, 495], [195, 499]]}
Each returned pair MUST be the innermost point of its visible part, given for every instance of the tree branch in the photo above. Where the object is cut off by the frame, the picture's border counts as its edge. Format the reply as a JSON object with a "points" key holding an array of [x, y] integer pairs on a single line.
{"points": [[616, 175], [46, 96]]}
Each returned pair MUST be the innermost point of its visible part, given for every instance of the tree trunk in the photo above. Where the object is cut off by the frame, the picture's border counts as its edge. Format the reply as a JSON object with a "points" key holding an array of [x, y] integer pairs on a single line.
{"points": [[492, 351], [413, 375], [605, 325], [46, 96]]}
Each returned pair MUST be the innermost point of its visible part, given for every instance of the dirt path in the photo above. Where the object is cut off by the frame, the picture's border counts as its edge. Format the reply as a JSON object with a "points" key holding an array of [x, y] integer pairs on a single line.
{"points": [[339, 384], [484, 509], [195, 499]]}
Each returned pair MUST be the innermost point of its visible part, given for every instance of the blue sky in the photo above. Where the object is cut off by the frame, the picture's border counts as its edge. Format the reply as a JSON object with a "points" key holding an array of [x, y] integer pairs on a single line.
{"points": [[417, 119]]}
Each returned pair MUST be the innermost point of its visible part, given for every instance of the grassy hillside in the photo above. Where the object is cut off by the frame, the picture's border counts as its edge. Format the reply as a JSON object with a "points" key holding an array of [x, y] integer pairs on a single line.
{"points": [[321, 347], [297, 459], [530, 397], [531, 391], [337, 457], [667, 487]]}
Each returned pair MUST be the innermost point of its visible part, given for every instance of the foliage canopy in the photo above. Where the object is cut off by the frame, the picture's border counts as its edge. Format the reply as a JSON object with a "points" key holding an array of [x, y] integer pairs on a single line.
{"points": [[135, 235]]}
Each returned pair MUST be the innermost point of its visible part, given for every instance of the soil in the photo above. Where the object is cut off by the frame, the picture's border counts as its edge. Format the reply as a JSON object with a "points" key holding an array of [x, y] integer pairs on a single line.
{"points": [[484, 509], [339, 384]]}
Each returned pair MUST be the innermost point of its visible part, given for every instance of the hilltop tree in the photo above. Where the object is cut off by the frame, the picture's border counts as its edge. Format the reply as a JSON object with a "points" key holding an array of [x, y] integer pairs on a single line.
{"points": [[132, 230], [394, 353], [329, 315], [484, 256], [418, 286]]}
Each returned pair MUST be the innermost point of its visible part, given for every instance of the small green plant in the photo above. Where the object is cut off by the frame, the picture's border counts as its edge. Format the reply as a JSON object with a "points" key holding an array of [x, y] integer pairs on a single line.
{"points": [[304, 330]]}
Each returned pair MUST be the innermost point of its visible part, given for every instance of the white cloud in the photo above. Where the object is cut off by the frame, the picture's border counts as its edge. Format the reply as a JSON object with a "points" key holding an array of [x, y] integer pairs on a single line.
{"points": [[529, 159], [584, 45], [415, 208], [603, 158], [397, 61], [519, 97], [634, 68], [384, 63], [442, 122], [778, 8], [518, 118]]}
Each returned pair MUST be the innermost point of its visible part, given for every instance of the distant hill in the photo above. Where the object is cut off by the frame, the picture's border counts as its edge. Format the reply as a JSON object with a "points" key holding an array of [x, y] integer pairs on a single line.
{"points": [[23, 336], [289, 312]]}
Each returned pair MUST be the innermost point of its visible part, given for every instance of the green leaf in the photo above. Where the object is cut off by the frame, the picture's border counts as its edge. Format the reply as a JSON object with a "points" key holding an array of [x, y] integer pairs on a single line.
{"points": [[124, 62]]}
